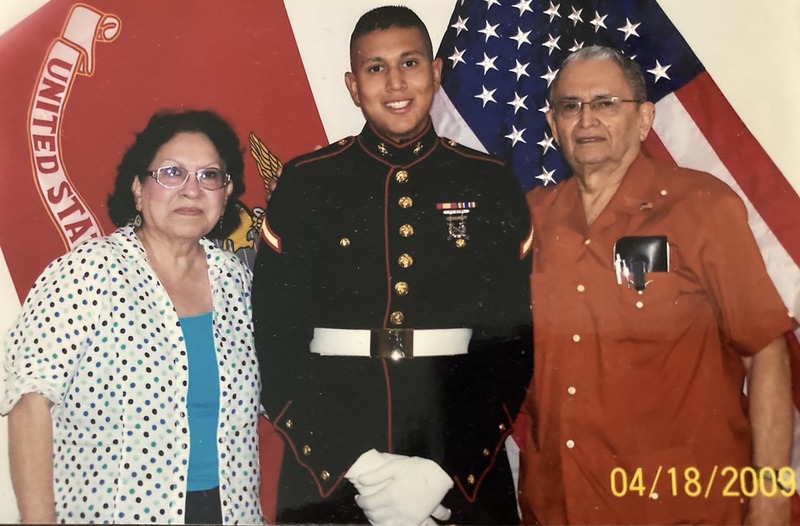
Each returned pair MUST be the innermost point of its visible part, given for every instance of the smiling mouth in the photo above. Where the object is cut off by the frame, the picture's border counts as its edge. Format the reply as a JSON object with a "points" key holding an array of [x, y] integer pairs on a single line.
{"points": [[398, 105], [586, 140]]}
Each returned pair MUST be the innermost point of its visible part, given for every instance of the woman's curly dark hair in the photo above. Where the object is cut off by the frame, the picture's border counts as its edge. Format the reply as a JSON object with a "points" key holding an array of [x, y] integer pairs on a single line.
{"points": [[162, 127]]}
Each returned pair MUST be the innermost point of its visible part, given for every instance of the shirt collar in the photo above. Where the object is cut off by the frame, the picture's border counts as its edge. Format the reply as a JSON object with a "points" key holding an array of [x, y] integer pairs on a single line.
{"points": [[393, 153]]}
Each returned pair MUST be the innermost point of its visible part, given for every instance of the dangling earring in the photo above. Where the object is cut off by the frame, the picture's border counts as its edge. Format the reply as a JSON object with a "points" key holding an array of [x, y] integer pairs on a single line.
{"points": [[137, 221], [219, 225]]}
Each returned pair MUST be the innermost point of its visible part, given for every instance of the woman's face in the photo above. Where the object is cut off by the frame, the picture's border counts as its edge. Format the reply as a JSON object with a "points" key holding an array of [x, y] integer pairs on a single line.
{"points": [[190, 211]]}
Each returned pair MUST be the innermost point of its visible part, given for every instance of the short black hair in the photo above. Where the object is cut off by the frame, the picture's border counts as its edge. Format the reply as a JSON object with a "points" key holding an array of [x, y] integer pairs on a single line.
{"points": [[162, 127], [390, 16]]}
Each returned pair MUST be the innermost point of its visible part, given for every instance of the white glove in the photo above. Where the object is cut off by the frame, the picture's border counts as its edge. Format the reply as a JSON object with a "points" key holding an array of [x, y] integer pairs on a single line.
{"points": [[404, 491]]}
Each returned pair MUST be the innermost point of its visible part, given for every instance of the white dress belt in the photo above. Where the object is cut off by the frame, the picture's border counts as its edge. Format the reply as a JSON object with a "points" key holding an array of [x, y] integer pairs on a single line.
{"points": [[390, 343]]}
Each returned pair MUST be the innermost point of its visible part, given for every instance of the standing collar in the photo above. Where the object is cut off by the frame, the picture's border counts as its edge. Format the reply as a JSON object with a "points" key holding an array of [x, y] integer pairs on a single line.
{"points": [[393, 153]]}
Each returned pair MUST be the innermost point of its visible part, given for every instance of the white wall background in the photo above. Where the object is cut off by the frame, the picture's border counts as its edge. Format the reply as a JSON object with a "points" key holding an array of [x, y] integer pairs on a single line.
{"points": [[751, 49]]}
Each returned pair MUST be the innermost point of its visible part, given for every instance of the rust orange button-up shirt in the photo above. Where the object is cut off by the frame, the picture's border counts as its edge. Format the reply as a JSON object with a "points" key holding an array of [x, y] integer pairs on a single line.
{"points": [[637, 395]]}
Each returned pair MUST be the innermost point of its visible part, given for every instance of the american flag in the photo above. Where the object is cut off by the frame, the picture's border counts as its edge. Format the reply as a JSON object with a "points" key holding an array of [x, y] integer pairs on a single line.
{"points": [[500, 56]]}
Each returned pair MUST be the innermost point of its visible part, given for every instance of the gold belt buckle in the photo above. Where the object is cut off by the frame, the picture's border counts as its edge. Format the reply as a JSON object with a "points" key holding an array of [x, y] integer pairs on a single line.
{"points": [[391, 343]]}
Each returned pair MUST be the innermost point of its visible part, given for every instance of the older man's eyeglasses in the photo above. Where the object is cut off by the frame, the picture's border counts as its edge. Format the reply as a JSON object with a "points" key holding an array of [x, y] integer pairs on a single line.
{"points": [[176, 176], [607, 106]]}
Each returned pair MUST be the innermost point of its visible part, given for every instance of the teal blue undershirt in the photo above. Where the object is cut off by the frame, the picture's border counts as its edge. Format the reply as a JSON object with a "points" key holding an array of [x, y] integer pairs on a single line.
{"points": [[203, 401]]}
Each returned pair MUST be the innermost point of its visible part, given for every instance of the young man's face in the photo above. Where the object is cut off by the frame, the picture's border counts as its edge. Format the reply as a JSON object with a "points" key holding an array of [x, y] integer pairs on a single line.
{"points": [[393, 81]]}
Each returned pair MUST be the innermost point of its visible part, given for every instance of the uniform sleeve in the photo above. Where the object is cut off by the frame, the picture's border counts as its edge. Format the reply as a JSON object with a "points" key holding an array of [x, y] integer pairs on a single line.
{"points": [[48, 340], [495, 374], [317, 403], [746, 303]]}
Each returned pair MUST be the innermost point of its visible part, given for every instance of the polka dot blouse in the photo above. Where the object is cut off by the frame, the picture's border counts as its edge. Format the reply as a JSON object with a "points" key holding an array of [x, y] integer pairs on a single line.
{"points": [[100, 338]]}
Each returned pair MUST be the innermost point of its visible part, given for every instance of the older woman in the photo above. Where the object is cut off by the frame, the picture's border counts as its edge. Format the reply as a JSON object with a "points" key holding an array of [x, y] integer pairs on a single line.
{"points": [[133, 385]]}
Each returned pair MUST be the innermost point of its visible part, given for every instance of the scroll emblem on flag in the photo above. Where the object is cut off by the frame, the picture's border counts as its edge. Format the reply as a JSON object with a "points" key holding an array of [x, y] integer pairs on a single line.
{"points": [[71, 54]]}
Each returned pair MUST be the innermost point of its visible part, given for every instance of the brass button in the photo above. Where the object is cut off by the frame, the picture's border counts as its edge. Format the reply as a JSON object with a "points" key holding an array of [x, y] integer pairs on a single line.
{"points": [[471, 479], [396, 317], [486, 452], [461, 243], [324, 475], [289, 424], [405, 260], [401, 176], [451, 142], [401, 288], [405, 202], [306, 450], [344, 242], [406, 230], [501, 427]]}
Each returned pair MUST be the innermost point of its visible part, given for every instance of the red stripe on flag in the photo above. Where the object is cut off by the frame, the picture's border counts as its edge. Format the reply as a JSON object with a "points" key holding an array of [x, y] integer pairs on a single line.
{"points": [[654, 147], [762, 182]]}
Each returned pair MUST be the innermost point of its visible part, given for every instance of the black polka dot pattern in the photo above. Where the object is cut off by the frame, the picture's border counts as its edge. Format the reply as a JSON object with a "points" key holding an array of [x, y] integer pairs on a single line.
{"points": [[100, 338]]}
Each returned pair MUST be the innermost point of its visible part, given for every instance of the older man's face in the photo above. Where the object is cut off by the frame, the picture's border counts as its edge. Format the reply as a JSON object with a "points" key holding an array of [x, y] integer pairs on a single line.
{"points": [[598, 140]]}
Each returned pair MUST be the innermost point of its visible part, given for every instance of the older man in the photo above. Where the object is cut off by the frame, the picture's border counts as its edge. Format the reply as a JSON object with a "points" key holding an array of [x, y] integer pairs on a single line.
{"points": [[652, 306]]}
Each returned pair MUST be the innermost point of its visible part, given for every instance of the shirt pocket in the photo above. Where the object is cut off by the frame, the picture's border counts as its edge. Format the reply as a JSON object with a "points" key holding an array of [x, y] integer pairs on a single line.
{"points": [[648, 315]]}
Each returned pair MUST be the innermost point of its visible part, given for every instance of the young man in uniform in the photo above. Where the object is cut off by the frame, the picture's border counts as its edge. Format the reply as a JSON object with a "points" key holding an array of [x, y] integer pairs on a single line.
{"points": [[392, 309]]}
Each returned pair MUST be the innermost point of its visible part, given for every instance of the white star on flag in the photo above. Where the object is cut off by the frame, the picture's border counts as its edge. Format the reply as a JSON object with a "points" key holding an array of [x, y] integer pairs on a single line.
{"points": [[598, 22], [521, 38], [489, 31], [546, 176], [520, 69], [660, 72], [515, 136], [518, 102], [629, 29], [486, 96], [546, 143], [460, 25], [487, 63]]}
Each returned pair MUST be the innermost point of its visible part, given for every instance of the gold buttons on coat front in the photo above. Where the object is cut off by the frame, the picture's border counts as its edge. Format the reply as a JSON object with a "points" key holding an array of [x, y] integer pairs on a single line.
{"points": [[324, 475], [306, 450], [344, 242], [405, 202], [401, 176], [397, 317], [406, 230], [401, 288], [461, 243], [405, 260]]}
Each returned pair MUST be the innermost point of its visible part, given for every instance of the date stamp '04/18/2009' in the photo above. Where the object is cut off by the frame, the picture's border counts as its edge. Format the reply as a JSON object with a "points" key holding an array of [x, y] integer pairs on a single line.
{"points": [[728, 481]]}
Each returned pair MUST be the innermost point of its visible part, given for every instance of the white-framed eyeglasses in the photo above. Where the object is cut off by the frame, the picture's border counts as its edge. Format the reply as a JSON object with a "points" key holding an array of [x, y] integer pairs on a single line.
{"points": [[176, 176], [602, 105]]}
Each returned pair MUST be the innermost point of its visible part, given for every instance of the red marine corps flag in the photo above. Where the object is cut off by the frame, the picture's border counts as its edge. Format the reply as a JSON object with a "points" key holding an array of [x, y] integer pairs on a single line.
{"points": [[79, 79]]}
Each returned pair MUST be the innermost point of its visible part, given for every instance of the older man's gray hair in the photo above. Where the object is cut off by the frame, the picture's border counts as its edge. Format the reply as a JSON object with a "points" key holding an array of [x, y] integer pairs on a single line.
{"points": [[630, 69]]}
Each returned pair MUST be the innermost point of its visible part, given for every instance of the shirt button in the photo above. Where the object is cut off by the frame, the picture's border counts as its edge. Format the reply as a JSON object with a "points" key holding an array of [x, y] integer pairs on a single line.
{"points": [[406, 230], [571, 390], [570, 444], [576, 338], [396, 317], [654, 496], [401, 176], [405, 260], [639, 304], [587, 241], [405, 202], [401, 288], [581, 288]]}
